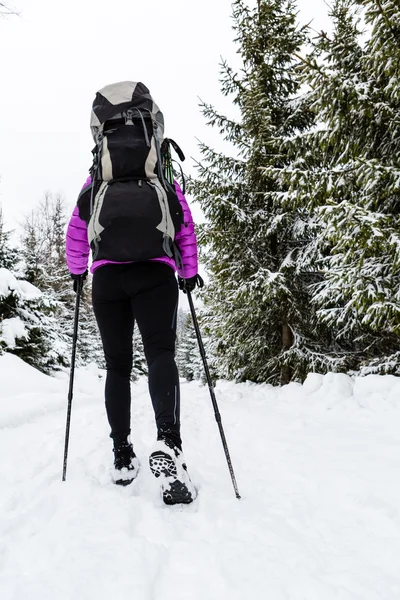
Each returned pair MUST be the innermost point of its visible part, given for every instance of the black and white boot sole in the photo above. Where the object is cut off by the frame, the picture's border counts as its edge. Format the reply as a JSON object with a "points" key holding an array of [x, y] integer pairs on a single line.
{"points": [[176, 487]]}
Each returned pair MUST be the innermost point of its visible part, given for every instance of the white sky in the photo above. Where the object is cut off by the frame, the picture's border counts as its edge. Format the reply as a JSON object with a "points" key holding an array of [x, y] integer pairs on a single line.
{"points": [[56, 55]]}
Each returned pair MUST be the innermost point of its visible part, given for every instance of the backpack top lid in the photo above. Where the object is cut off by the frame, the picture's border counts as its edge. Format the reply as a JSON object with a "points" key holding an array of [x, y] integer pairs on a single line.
{"points": [[112, 100]]}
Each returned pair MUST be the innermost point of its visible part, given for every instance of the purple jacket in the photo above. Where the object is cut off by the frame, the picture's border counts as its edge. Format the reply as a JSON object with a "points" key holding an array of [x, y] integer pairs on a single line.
{"points": [[78, 248]]}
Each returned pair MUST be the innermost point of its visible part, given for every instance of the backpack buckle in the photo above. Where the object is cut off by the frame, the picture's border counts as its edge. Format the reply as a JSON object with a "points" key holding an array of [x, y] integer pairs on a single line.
{"points": [[128, 117]]}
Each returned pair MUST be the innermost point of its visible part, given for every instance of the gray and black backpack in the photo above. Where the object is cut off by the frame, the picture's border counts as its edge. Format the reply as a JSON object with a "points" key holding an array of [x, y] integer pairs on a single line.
{"points": [[131, 207]]}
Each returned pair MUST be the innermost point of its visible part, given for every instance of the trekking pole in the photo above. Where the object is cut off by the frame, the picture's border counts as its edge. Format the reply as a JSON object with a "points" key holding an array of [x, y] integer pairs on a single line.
{"points": [[212, 394], [72, 373]]}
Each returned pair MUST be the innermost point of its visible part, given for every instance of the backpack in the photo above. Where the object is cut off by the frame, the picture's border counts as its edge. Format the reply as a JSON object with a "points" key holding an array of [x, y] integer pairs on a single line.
{"points": [[131, 208]]}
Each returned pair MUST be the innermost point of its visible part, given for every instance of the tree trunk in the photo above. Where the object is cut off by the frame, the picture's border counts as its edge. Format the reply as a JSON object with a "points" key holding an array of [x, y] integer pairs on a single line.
{"points": [[287, 342]]}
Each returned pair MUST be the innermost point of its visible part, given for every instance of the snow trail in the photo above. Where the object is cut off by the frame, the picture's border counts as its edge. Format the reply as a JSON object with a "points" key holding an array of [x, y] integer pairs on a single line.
{"points": [[317, 467]]}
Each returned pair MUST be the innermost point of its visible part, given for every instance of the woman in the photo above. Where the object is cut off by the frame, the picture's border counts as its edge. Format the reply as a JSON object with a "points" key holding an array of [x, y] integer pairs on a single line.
{"points": [[129, 291]]}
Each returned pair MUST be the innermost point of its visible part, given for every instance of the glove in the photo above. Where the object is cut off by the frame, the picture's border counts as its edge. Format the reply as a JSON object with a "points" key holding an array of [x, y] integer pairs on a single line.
{"points": [[78, 280], [188, 285]]}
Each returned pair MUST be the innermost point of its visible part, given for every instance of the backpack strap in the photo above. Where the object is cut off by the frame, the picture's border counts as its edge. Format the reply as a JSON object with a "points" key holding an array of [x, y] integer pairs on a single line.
{"points": [[168, 161], [176, 148], [129, 117], [94, 171], [178, 258]]}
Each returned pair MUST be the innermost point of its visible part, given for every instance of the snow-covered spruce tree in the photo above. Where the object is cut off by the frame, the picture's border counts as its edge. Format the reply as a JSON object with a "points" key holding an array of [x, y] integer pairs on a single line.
{"points": [[89, 347], [257, 302], [188, 358], [26, 324], [43, 246], [139, 365], [378, 173], [8, 253], [20, 318], [43, 249], [180, 324], [347, 172]]}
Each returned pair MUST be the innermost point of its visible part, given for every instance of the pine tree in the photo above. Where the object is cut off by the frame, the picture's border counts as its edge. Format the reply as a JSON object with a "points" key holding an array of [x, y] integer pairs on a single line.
{"points": [[27, 323], [8, 254], [139, 366], [43, 245], [378, 173], [346, 172], [89, 347], [20, 325], [257, 301], [43, 249], [188, 358]]}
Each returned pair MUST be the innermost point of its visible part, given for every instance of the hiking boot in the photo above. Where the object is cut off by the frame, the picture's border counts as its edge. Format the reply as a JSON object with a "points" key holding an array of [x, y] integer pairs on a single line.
{"points": [[167, 463], [126, 463]]}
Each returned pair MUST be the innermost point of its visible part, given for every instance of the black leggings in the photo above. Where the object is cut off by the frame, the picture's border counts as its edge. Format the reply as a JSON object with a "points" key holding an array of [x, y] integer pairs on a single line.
{"points": [[145, 292]]}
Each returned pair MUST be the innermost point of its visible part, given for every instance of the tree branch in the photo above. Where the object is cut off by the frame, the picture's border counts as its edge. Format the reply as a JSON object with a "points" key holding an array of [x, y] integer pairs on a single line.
{"points": [[6, 10], [384, 15], [309, 63]]}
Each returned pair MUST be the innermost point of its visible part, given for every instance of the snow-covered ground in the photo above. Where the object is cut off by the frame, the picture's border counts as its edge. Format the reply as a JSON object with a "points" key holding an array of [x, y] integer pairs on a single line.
{"points": [[318, 467]]}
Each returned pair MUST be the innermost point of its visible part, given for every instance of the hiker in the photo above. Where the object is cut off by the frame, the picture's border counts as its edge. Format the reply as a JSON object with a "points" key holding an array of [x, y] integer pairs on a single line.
{"points": [[134, 217]]}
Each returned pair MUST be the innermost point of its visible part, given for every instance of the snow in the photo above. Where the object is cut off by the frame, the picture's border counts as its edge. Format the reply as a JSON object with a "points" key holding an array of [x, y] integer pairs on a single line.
{"points": [[317, 467], [22, 289], [13, 329]]}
